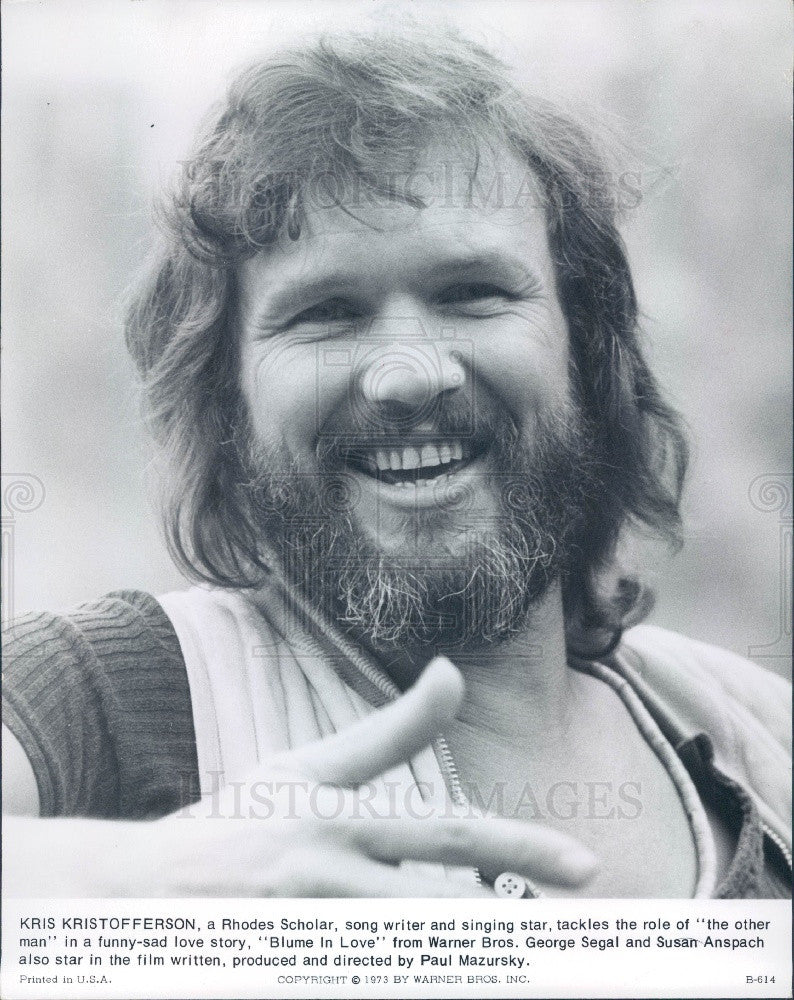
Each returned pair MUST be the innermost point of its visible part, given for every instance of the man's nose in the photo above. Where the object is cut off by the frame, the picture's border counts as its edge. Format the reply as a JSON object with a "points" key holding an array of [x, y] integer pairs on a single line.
{"points": [[407, 378]]}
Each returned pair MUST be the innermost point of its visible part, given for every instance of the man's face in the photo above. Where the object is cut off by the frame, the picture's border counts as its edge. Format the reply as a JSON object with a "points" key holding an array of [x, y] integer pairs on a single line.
{"points": [[406, 375]]}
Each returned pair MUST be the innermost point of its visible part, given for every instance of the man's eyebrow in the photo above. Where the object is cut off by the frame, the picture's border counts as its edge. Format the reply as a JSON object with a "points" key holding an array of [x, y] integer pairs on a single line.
{"points": [[497, 262], [292, 293]]}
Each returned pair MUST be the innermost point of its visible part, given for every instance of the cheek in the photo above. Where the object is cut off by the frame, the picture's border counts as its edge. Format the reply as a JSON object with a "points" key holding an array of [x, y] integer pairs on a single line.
{"points": [[525, 364], [290, 392]]}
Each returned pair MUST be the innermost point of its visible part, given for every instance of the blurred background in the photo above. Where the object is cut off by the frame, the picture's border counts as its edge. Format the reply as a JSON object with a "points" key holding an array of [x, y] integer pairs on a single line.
{"points": [[100, 102]]}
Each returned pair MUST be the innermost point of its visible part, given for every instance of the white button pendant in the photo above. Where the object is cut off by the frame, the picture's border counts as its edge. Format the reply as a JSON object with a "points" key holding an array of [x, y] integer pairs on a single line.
{"points": [[510, 885]]}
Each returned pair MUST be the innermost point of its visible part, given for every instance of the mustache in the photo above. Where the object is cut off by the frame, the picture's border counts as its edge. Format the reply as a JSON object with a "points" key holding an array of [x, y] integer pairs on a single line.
{"points": [[477, 426]]}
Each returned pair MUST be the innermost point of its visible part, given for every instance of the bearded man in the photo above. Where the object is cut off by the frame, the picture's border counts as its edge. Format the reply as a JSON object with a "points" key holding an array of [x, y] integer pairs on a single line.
{"points": [[390, 351]]}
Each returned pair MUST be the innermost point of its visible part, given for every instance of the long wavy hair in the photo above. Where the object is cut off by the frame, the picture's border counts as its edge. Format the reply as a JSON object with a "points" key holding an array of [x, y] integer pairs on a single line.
{"points": [[344, 114]]}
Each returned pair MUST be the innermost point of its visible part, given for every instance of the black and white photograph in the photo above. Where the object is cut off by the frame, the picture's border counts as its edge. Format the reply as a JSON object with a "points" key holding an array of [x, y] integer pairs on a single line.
{"points": [[397, 491]]}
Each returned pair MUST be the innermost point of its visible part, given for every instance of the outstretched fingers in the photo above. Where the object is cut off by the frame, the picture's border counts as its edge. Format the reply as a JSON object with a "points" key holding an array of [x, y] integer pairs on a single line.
{"points": [[349, 874], [495, 845], [387, 737]]}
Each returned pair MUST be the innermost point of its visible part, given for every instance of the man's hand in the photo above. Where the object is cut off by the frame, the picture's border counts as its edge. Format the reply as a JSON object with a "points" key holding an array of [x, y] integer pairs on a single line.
{"points": [[222, 847], [299, 851]]}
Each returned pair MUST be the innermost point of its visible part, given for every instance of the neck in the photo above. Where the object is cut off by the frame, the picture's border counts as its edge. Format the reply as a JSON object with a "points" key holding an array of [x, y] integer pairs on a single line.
{"points": [[518, 687]]}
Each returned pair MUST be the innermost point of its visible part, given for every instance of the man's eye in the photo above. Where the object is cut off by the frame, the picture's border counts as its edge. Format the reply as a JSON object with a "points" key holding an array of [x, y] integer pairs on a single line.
{"points": [[330, 311], [472, 292]]}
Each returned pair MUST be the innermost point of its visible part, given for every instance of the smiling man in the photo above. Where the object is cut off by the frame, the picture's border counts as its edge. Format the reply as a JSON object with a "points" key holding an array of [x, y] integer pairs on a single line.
{"points": [[390, 349], [442, 351]]}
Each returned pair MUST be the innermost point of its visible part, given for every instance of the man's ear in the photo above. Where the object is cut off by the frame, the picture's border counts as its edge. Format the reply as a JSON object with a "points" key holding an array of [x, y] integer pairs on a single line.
{"points": [[611, 601]]}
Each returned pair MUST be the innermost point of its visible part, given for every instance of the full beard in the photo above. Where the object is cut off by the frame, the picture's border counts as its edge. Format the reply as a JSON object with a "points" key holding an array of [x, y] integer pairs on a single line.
{"points": [[445, 595]]}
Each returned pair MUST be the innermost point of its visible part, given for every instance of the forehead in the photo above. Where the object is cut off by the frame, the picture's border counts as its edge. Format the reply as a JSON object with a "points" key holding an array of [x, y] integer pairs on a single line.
{"points": [[449, 204], [444, 188]]}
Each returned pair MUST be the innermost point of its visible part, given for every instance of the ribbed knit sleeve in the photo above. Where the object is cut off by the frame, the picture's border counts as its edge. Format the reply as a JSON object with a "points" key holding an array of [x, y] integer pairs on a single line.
{"points": [[99, 699]]}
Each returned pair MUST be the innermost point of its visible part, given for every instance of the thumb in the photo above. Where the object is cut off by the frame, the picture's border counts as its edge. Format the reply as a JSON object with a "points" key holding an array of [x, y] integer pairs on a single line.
{"points": [[389, 735]]}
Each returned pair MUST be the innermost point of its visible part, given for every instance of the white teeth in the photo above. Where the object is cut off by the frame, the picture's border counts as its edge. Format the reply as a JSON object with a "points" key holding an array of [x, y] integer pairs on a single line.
{"points": [[397, 459], [430, 455]]}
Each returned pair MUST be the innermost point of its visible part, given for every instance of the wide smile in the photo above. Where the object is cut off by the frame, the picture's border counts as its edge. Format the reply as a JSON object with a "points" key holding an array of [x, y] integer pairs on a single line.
{"points": [[405, 473]]}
